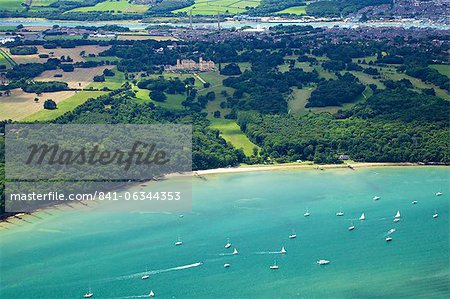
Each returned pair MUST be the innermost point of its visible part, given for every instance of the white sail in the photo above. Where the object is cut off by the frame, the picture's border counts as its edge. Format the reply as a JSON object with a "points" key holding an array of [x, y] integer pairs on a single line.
{"points": [[235, 251], [363, 217], [151, 294], [397, 215], [283, 250]]}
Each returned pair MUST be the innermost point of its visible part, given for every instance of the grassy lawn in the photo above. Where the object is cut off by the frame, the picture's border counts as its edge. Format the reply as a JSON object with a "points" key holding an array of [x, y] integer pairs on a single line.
{"points": [[59, 37], [391, 73], [212, 7], [442, 68], [296, 10], [6, 59], [101, 58], [110, 82], [64, 106], [11, 5], [232, 133], [173, 100], [121, 6], [367, 79], [299, 99]]}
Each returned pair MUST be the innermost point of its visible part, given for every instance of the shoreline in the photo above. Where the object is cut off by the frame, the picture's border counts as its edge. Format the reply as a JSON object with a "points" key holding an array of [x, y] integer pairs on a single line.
{"points": [[292, 166], [257, 168]]}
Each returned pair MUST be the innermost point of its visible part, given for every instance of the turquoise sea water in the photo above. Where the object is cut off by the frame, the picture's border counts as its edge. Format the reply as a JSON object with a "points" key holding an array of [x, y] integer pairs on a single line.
{"points": [[60, 254]]}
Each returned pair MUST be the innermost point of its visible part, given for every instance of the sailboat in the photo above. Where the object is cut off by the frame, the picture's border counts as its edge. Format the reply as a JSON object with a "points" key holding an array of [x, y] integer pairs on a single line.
{"points": [[235, 251], [376, 198], [307, 213], [283, 250], [438, 193], [351, 227], [179, 242], [274, 266], [363, 217], [151, 294], [435, 215], [228, 245], [293, 235], [397, 217]]}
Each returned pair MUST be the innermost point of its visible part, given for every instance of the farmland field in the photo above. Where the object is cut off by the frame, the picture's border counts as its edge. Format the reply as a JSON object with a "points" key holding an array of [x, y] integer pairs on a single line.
{"points": [[212, 7], [20, 104], [74, 53], [11, 5], [296, 10], [79, 78], [116, 6], [64, 106], [232, 133]]}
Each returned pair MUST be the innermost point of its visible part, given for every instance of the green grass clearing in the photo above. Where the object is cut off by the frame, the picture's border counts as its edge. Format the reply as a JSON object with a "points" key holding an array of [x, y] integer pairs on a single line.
{"points": [[444, 69], [121, 6], [213, 7], [64, 106], [296, 10]]}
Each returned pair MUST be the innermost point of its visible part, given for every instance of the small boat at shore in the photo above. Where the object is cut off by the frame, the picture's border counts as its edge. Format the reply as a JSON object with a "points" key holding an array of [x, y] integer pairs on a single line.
{"points": [[376, 198], [322, 262], [283, 250], [151, 294], [235, 251], [438, 193], [363, 217]]}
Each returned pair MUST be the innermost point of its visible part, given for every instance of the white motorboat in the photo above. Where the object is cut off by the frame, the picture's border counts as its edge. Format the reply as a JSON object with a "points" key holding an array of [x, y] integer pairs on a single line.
{"points": [[351, 227], [414, 202], [226, 265], [228, 245], [396, 220], [435, 215], [438, 193], [340, 214], [322, 262], [307, 213], [292, 236], [274, 266], [388, 239], [376, 198], [88, 295], [146, 276]]}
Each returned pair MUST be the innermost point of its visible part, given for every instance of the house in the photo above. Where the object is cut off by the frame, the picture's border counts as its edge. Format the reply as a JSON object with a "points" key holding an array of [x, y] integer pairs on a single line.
{"points": [[191, 65]]}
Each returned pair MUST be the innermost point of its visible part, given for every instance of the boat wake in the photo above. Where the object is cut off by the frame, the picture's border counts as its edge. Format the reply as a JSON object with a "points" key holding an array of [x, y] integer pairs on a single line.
{"points": [[153, 272], [137, 296], [268, 252], [391, 231]]}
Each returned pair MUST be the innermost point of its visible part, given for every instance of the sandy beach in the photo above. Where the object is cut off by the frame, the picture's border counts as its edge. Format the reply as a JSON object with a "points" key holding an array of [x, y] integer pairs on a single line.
{"points": [[291, 166]]}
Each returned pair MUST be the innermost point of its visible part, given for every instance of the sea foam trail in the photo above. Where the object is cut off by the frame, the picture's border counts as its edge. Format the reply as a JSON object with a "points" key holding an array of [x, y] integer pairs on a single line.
{"points": [[137, 296], [153, 272], [268, 252], [391, 231]]}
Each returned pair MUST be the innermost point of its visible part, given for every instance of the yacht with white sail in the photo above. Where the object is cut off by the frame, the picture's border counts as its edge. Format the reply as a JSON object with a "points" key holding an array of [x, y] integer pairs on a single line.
{"points": [[363, 217]]}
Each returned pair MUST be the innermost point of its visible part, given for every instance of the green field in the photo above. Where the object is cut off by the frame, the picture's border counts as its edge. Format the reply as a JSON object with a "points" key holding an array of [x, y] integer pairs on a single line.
{"points": [[442, 68], [296, 10], [64, 106], [110, 82], [11, 5], [6, 60], [213, 7], [121, 6], [231, 132], [298, 100]]}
